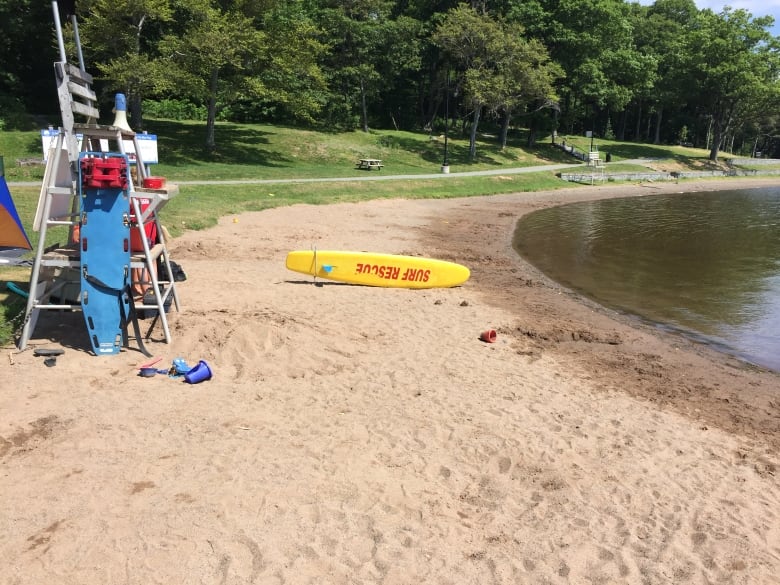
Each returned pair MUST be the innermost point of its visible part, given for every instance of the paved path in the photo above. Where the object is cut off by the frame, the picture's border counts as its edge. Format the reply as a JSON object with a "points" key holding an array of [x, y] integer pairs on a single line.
{"points": [[366, 176], [379, 176]]}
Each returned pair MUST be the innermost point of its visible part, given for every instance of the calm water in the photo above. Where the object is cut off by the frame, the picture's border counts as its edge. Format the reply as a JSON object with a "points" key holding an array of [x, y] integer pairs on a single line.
{"points": [[705, 264]]}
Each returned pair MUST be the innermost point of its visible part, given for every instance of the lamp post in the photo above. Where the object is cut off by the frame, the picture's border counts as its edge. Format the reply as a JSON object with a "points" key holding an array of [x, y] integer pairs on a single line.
{"points": [[445, 167]]}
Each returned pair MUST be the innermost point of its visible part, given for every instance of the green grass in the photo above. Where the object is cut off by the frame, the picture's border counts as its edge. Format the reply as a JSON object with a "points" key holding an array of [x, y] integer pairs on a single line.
{"points": [[262, 152], [274, 152]]}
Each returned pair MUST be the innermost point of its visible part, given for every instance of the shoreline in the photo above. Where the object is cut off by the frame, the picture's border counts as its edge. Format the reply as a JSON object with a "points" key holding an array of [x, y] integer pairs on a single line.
{"points": [[651, 355], [354, 434]]}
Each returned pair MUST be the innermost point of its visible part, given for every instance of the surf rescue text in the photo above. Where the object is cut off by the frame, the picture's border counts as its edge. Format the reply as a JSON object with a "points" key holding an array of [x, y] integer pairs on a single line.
{"points": [[394, 272]]}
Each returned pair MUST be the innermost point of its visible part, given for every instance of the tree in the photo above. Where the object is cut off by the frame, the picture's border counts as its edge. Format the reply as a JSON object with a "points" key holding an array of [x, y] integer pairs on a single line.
{"points": [[289, 83], [369, 48], [500, 70], [362, 62], [225, 57], [661, 30], [731, 61], [114, 35], [26, 83], [212, 57], [471, 41], [593, 41], [525, 77]]}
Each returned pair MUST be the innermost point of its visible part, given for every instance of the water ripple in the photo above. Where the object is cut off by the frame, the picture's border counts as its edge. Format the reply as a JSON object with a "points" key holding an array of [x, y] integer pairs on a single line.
{"points": [[707, 264]]}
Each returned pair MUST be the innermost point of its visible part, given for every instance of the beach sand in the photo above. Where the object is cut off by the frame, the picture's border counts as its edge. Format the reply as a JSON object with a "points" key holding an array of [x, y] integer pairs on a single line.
{"points": [[365, 435]]}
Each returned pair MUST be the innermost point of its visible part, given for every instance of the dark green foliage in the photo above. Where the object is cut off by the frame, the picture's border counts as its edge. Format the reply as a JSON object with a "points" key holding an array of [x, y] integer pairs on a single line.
{"points": [[173, 109], [640, 72]]}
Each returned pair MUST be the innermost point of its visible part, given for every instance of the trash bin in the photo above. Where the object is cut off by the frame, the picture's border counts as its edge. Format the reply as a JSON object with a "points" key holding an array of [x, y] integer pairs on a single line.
{"points": [[608, 158], [2, 167]]}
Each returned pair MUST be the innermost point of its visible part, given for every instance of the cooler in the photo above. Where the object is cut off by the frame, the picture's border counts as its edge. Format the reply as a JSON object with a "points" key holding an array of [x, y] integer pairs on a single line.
{"points": [[136, 245]]}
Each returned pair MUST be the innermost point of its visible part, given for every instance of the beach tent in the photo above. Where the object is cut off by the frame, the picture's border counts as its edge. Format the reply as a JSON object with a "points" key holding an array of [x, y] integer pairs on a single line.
{"points": [[12, 233]]}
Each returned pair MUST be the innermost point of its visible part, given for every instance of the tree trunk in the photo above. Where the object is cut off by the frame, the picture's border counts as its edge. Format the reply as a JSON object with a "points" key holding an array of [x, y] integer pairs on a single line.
{"points": [[135, 112], [621, 133], [428, 98], [429, 125], [568, 118], [505, 127], [363, 110], [211, 119], [658, 118], [717, 137], [535, 122], [135, 96], [649, 124], [638, 130], [473, 136]]}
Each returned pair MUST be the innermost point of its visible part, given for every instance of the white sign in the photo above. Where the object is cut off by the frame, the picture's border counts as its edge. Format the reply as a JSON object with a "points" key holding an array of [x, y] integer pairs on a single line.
{"points": [[147, 144], [49, 140]]}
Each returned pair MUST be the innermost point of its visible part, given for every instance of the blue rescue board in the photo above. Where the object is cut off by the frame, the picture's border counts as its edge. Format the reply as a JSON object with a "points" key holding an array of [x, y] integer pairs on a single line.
{"points": [[105, 249]]}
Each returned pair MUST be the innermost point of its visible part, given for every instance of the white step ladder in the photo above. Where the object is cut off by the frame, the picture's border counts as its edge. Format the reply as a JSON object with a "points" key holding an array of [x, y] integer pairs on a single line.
{"points": [[55, 277]]}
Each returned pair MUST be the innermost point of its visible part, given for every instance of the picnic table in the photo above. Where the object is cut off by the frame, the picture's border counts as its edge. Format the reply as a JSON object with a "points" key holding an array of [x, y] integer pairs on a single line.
{"points": [[370, 163]]}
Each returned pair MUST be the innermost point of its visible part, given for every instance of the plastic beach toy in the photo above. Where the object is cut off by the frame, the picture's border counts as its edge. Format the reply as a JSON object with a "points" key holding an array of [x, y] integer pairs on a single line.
{"points": [[488, 336], [199, 373], [179, 367], [148, 372]]}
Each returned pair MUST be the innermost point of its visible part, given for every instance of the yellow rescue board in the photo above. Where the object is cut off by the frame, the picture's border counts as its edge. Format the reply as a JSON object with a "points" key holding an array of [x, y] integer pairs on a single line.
{"points": [[387, 270]]}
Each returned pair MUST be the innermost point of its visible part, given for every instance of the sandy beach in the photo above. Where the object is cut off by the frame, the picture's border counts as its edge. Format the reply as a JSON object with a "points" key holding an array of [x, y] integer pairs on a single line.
{"points": [[357, 435]]}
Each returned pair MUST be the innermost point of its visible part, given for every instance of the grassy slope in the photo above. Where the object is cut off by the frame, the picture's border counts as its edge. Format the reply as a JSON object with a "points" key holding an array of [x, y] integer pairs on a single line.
{"points": [[247, 152]]}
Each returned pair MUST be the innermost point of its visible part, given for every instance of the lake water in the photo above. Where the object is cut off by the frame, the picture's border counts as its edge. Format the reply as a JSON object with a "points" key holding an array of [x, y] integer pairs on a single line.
{"points": [[703, 264]]}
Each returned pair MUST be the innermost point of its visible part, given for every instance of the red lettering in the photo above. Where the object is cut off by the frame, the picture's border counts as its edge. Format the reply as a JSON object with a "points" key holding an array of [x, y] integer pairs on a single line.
{"points": [[393, 273], [359, 269], [381, 272], [413, 274]]}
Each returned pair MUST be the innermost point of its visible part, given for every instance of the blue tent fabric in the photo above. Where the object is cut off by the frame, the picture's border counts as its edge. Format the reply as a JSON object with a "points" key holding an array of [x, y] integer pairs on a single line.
{"points": [[12, 234]]}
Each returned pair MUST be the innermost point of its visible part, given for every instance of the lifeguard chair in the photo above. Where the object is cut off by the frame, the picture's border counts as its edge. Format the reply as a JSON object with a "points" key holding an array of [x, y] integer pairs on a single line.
{"points": [[58, 273]]}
